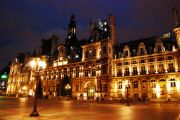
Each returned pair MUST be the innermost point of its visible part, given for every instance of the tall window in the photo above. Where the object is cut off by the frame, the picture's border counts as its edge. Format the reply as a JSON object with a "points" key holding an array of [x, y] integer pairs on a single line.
{"points": [[143, 70], [141, 51], [151, 69], [161, 68], [86, 73], [159, 49], [171, 67], [126, 71], [93, 72], [119, 72], [126, 53], [65, 71], [173, 82], [71, 72], [153, 83], [77, 72], [135, 84], [135, 71], [120, 85]]}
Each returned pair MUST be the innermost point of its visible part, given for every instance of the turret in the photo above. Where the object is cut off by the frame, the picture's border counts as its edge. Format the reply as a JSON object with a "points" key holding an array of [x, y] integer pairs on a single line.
{"points": [[177, 26]]}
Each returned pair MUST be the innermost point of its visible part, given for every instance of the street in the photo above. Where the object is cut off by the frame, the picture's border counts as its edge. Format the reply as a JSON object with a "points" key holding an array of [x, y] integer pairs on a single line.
{"points": [[20, 108]]}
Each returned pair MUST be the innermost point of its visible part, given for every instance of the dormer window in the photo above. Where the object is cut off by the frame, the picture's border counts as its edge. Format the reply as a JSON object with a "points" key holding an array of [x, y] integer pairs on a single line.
{"points": [[141, 49], [159, 46], [159, 49], [126, 51], [126, 54]]}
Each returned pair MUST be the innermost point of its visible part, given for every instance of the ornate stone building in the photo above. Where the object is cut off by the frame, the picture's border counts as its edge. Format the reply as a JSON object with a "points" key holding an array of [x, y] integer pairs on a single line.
{"points": [[145, 68]]}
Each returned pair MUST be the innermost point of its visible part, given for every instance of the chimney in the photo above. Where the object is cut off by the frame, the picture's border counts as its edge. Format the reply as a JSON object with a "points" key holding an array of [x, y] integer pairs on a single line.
{"points": [[113, 28], [175, 15]]}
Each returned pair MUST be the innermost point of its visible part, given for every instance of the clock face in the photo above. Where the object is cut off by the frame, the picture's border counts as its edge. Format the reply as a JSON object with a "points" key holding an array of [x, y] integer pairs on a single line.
{"points": [[3, 85]]}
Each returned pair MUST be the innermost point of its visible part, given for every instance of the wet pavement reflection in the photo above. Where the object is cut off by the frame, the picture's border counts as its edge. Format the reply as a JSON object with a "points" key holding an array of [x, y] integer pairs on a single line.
{"points": [[19, 109]]}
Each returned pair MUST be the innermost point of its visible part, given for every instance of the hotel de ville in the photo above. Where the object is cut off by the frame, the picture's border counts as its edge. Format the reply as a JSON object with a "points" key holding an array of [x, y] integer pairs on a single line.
{"points": [[100, 68]]}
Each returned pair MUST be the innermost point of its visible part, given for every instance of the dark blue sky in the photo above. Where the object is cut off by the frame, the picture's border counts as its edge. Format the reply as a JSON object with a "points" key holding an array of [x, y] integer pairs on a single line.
{"points": [[23, 23]]}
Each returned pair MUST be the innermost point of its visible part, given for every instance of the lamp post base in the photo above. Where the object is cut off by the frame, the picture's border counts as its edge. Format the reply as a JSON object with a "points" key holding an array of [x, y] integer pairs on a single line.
{"points": [[34, 114]]}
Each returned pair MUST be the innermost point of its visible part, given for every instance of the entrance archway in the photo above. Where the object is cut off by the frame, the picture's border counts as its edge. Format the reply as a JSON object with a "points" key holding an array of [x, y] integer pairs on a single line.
{"points": [[91, 91]]}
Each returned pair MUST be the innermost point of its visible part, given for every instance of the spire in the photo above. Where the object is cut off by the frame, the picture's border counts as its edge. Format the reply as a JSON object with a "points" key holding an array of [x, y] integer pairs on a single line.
{"points": [[72, 25], [176, 17]]}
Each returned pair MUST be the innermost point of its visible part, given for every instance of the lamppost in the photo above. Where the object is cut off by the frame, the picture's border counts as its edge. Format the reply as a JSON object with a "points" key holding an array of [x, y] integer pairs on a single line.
{"points": [[36, 65], [68, 87], [127, 85]]}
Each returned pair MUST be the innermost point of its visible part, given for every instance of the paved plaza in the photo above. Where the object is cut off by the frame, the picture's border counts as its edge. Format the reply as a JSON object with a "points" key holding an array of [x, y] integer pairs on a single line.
{"points": [[19, 109]]}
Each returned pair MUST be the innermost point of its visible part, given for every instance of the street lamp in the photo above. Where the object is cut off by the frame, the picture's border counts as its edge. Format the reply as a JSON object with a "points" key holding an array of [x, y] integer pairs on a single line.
{"points": [[68, 87], [127, 85], [36, 65]]}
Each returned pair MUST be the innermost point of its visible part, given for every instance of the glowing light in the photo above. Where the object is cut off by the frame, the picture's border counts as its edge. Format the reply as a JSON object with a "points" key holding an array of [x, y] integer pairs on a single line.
{"points": [[157, 90], [77, 56], [24, 88], [4, 76], [115, 87], [67, 87]]}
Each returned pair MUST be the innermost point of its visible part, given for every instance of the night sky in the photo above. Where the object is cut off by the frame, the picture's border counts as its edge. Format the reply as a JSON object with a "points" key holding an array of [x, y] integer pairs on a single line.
{"points": [[23, 23]]}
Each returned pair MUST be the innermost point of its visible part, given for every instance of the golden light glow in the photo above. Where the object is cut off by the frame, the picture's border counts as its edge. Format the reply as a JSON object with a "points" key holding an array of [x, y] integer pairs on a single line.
{"points": [[67, 87], [157, 90], [115, 87], [37, 63], [24, 88]]}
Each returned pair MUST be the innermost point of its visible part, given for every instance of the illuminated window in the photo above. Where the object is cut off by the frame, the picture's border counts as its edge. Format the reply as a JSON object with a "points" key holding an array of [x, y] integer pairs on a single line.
{"points": [[153, 83], [71, 72], [65, 71], [120, 85], [171, 67], [151, 70], [86, 73], [143, 71], [77, 72], [126, 71], [173, 82], [135, 71], [135, 84]]}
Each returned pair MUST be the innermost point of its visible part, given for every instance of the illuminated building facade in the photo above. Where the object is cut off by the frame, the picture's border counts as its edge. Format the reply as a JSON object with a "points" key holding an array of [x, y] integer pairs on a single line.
{"points": [[101, 67]]}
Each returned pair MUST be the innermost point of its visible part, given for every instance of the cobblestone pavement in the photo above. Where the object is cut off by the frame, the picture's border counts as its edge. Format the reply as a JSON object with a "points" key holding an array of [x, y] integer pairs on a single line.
{"points": [[19, 109]]}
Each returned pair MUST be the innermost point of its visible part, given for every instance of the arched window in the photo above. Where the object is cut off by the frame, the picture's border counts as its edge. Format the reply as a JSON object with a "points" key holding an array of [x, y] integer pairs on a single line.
{"points": [[173, 82], [153, 83]]}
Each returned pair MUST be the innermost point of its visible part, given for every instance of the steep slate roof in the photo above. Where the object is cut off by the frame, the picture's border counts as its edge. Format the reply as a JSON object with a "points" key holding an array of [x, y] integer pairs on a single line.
{"points": [[168, 42]]}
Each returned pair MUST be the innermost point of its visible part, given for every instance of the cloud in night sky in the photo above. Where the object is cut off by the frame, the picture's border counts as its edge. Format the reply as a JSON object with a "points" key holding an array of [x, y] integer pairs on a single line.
{"points": [[24, 23]]}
